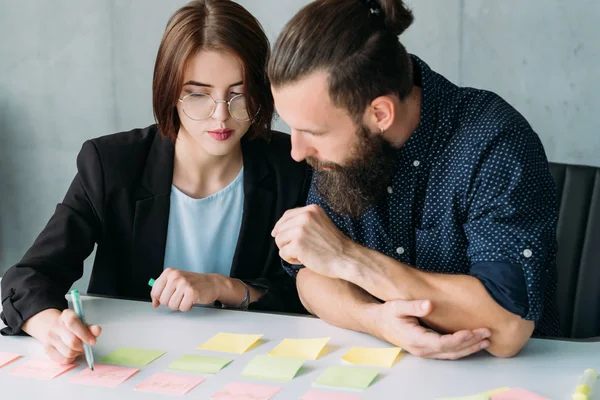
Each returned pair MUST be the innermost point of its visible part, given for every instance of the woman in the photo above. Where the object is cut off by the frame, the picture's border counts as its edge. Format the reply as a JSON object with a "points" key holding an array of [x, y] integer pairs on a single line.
{"points": [[190, 201]]}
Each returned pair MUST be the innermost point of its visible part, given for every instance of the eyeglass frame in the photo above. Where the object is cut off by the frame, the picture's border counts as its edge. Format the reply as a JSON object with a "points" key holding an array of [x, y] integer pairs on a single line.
{"points": [[216, 103]]}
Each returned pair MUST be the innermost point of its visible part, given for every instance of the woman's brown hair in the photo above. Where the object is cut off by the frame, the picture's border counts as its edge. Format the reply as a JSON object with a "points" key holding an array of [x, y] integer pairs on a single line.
{"points": [[220, 25]]}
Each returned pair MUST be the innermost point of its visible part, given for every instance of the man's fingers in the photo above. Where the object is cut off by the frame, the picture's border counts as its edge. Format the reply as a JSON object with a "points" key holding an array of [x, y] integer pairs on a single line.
{"points": [[475, 340], [434, 345], [483, 333], [288, 254], [283, 238], [472, 349], [285, 217], [412, 308]]}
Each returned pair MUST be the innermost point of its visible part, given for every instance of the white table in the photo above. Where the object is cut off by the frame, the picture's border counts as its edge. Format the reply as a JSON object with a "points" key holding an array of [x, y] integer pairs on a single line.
{"points": [[547, 367]]}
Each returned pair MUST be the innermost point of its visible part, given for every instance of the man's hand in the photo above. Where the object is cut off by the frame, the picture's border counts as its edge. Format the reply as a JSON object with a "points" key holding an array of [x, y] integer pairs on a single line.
{"points": [[397, 322], [307, 236]]}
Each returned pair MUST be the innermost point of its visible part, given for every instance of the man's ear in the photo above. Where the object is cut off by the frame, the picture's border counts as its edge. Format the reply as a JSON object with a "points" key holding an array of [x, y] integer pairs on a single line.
{"points": [[381, 114]]}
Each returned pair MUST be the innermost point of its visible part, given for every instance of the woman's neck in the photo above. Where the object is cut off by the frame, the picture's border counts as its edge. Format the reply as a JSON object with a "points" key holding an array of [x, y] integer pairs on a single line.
{"points": [[199, 174]]}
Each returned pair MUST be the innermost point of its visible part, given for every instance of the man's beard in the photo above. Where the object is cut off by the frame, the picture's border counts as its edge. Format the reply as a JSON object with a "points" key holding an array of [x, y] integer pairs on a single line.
{"points": [[362, 181]]}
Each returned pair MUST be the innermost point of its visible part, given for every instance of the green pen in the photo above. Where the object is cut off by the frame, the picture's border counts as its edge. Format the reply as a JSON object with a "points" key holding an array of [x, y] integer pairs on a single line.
{"points": [[89, 356], [151, 282]]}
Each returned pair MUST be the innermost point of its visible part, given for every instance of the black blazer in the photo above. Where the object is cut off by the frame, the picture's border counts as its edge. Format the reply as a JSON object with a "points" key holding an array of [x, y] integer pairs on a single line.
{"points": [[120, 201]]}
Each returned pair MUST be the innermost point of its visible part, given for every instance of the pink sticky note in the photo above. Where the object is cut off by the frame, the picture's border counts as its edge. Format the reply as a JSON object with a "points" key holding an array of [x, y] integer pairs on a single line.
{"points": [[42, 369], [7, 358], [246, 391], [169, 384], [104, 375], [518, 394], [319, 395]]}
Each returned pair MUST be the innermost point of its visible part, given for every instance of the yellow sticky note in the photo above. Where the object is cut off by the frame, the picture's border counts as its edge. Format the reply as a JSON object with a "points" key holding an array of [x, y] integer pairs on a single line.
{"points": [[307, 349], [230, 342], [378, 357], [496, 391]]}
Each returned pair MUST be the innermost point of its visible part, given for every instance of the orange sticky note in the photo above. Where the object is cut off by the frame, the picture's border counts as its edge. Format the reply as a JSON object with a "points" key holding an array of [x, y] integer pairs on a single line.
{"points": [[7, 358], [172, 384], [41, 369], [104, 375], [246, 391]]}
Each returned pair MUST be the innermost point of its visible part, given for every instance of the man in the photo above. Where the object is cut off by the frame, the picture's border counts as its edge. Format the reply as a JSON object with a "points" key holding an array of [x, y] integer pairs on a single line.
{"points": [[430, 204]]}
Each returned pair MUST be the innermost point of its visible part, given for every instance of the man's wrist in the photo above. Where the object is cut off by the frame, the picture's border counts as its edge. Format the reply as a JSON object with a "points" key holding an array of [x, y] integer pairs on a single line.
{"points": [[348, 265], [368, 319]]}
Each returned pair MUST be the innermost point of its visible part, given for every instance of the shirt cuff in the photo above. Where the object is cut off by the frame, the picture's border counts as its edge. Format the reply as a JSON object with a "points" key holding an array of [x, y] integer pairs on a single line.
{"points": [[506, 284], [291, 269]]}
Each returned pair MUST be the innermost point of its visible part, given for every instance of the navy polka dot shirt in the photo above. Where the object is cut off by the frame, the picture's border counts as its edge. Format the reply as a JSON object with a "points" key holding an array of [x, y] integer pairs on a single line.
{"points": [[472, 194]]}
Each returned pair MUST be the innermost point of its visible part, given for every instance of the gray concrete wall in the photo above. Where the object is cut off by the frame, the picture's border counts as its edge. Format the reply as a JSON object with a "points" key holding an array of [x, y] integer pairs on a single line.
{"points": [[73, 70]]}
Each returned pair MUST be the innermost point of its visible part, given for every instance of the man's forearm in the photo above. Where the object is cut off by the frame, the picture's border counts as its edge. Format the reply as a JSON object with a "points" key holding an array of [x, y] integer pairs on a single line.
{"points": [[335, 301], [459, 301]]}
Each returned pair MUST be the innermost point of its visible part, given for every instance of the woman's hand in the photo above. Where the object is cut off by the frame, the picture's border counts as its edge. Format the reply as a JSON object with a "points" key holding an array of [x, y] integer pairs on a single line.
{"points": [[180, 290]]}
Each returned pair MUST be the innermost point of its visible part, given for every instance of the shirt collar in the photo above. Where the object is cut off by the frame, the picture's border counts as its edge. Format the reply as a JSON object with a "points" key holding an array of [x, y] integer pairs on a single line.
{"points": [[416, 149]]}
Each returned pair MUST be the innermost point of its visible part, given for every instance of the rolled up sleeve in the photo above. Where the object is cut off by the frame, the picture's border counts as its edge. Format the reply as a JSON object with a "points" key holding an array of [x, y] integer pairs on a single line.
{"points": [[511, 223]]}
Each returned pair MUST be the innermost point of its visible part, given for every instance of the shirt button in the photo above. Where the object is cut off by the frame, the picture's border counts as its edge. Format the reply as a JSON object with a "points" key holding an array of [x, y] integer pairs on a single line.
{"points": [[527, 253], [400, 250], [416, 163], [390, 190]]}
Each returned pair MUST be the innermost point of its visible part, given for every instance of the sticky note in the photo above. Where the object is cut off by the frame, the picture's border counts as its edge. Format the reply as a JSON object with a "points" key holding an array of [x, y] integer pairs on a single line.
{"points": [[172, 384], [104, 375], [41, 369], [131, 357], [496, 391], [481, 396], [347, 377], [319, 395], [518, 394], [307, 349], [245, 391], [380, 357], [7, 358], [199, 364], [230, 342], [474, 397], [280, 369]]}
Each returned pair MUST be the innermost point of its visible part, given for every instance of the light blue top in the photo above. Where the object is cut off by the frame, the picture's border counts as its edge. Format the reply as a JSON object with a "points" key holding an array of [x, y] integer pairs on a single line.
{"points": [[203, 233]]}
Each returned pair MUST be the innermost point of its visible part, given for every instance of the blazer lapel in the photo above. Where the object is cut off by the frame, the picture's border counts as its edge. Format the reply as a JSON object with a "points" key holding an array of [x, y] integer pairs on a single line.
{"points": [[257, 218], [151, 218]]}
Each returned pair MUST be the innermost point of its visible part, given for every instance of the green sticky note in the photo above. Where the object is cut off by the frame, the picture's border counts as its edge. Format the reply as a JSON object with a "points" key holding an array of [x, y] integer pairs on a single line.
{"points": [[199, 364], [131, 357], [271, 368], [347, 377]]}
